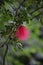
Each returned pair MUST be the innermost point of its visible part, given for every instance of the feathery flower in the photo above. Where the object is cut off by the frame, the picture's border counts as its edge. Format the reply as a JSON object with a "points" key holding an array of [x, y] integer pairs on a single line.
{"points": [[22, 33]]}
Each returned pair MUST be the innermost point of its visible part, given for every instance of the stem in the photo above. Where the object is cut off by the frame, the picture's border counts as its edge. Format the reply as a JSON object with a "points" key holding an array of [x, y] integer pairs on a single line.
{"points": [[5, 54]]}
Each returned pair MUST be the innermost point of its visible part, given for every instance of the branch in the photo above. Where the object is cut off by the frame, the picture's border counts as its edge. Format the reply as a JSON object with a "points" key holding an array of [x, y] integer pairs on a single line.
{"points": [[36, 16], [8, 39], [5, 54], [15, 16], [36, 10], [3, 43], [19, 6]]}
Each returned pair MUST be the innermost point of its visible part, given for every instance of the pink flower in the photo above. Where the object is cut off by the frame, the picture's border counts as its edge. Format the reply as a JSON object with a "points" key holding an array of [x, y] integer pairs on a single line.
{"points": [[22, 33]]}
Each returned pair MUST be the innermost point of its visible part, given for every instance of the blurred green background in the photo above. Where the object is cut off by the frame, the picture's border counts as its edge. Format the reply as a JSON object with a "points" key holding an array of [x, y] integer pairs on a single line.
{"points": [[30, 14]]}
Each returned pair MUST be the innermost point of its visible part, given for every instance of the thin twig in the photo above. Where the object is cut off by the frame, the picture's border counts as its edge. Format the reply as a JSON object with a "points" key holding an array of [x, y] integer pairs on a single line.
{"points": [[36, 10], [21, 3], [36, 16]]}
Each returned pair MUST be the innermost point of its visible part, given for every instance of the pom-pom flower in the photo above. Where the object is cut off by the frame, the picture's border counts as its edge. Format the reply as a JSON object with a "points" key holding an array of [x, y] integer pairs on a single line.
{"points": [[22, 33]]}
